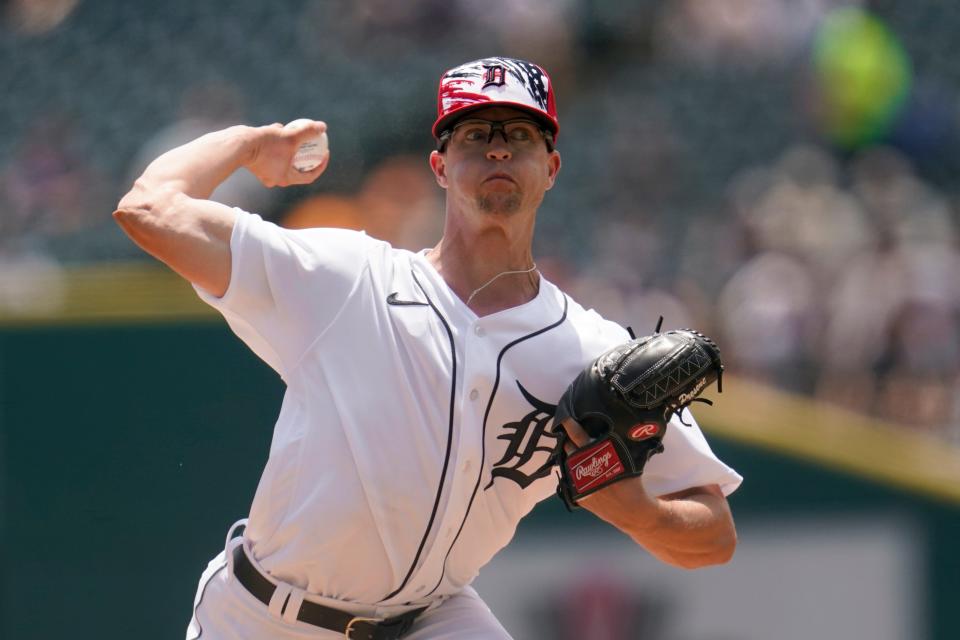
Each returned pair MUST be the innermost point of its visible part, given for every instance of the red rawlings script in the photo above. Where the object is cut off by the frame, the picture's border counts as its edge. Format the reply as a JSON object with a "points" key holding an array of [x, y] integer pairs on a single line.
{"points": [[593, 466]]}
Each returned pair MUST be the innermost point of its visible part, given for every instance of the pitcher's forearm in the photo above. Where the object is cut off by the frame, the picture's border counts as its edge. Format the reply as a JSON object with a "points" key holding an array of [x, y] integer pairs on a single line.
{"points": [[168, 212], [200, 166], [693, 531], [693, 528]]}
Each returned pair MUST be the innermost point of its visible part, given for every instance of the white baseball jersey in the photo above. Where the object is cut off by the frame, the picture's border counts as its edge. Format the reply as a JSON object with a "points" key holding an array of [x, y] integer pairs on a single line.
{"points": [[413, 433]]}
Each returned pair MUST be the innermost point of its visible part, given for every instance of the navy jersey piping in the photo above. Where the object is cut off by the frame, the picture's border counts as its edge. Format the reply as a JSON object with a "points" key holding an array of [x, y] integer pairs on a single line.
{"points": [[483, 441], [446, 460]]}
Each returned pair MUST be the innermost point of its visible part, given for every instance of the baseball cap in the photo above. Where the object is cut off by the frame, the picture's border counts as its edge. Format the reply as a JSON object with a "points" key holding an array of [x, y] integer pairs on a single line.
{"points": [[495, 82]]}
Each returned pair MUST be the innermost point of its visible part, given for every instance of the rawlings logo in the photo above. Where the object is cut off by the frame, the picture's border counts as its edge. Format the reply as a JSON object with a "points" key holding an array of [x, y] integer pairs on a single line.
{"points": [[686, 398], [643, 431], [594, 466]]}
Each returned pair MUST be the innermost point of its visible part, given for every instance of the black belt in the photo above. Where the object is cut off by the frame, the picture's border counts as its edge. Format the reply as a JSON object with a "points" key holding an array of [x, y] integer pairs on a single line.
{"points": [[351, 626]]}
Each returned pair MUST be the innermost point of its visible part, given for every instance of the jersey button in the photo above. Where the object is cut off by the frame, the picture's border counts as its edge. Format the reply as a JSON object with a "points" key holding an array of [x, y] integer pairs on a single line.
{"points": [[479, 331], [474, 394], [466, 466]]}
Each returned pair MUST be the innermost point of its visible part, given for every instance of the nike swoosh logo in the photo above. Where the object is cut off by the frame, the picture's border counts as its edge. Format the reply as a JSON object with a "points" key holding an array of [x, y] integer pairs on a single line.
{"points": [[392, 299]]}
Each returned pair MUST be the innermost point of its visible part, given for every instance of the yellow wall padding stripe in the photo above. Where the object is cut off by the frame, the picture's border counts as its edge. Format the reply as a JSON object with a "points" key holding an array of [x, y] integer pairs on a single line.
{"points": [[98, 294], [901, 456]]}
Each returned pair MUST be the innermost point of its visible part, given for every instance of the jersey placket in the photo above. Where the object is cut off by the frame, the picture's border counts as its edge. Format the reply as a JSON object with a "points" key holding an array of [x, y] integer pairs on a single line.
{"points": [[477, 362]]}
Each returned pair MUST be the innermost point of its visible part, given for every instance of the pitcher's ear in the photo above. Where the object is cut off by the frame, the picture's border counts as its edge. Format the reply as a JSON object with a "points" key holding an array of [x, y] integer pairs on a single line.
{"points": [[553, 168], [438, 165]]}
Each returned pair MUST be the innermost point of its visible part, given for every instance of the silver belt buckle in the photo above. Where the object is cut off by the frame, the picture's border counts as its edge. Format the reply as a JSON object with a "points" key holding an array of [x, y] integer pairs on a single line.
{"points": [[349, 629]]}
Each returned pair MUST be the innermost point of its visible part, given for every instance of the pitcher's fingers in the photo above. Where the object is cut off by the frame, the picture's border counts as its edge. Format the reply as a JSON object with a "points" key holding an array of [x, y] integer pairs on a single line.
{"points": [[309, 130], [578, 436], [306, 177]]}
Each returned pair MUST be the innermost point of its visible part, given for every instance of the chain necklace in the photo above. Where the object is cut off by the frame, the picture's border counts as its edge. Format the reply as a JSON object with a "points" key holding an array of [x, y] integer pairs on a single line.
{"points": [[502, 273]]}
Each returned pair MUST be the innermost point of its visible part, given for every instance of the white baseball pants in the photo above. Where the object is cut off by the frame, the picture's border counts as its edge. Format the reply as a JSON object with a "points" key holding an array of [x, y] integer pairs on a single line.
{"points": [[224, 610]]}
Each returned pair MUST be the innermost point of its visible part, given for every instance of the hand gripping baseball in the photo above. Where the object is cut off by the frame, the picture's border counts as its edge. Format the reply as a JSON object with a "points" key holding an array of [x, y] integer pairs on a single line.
{"points": [[623, 400], [274, 152]]}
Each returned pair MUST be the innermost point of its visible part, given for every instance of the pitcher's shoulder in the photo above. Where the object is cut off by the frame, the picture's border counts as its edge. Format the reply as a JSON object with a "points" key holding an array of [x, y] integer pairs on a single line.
{"points": [[588, 323]]}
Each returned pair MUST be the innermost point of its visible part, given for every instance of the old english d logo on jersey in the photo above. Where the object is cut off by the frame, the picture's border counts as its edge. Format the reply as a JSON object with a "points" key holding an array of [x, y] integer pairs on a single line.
{"points": [[523, 441]]}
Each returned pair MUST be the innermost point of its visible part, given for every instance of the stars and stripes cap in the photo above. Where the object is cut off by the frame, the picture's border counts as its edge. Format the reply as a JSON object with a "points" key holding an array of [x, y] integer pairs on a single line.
{"points": [[495, 82]]}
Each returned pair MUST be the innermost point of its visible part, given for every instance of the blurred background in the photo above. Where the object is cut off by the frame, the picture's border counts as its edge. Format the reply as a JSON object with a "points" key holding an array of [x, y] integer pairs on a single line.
{"points": [[780, 174]]}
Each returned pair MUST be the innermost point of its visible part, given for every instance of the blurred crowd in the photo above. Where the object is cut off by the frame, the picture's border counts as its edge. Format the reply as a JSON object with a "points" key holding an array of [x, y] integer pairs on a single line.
{"points": [[841, 282], [778, 173]]}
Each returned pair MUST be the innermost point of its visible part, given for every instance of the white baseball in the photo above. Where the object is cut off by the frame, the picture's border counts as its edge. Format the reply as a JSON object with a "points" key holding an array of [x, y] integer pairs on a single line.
{"points": [[311, 153]]}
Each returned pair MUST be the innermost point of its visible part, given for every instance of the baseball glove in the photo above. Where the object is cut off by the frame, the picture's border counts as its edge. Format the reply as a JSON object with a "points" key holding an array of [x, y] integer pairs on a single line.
{"points": [[624, 400]]}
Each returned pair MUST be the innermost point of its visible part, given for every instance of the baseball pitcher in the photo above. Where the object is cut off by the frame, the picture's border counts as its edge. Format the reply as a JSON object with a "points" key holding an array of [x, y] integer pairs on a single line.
{"points": [[432, 397]]}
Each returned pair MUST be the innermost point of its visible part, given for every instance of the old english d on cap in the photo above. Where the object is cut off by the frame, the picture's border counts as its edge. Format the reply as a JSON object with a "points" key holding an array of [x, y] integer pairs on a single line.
{"points": [[493, 82]]}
